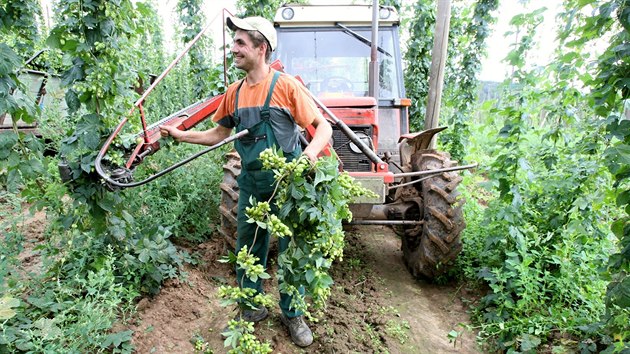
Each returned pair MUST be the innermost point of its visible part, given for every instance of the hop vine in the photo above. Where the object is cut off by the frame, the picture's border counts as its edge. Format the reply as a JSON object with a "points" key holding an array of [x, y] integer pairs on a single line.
{"points": [[312, 200]]}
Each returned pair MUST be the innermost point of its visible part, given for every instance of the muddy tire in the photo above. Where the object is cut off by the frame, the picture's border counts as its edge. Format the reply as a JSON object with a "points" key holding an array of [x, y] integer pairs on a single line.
{"points": [[229, 198], [430, 250]]}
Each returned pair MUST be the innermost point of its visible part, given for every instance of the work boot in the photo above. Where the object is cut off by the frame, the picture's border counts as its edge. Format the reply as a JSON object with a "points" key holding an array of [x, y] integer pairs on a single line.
{"points": [[249, 316], [252, 315], [301, 335]]}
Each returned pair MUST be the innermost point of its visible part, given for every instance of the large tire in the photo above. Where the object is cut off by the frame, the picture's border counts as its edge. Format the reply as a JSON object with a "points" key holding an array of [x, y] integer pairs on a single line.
{"points": [[429, 251], [229, 198]]}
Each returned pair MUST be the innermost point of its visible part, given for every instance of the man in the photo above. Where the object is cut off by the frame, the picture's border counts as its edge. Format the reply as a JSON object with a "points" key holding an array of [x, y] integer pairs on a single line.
{"points": [[272, 107]]}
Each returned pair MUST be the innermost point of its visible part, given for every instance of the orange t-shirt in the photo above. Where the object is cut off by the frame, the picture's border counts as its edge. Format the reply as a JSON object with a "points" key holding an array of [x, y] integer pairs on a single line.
{"points": [[289, 95]]}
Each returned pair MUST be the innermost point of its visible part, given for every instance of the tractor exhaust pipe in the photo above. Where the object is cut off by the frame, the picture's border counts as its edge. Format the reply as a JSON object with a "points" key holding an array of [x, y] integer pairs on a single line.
{"points": [[373, 67]]}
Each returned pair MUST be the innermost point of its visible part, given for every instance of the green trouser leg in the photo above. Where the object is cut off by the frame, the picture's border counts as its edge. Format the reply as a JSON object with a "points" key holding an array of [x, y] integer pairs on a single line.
{"points": [[259, 185]]}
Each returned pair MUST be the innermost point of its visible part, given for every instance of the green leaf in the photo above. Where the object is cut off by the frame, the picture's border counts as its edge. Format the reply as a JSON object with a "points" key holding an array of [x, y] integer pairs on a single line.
{"points": [[452, 335], [619, 226], [7, 142], [71, 75], [623, 198], [9, 60], [116, 339], [91, 139], [48, 329], [144, 256], [619, 153], [72, 101], [325, 281], [321, 176], [529, 342], [310, 275], [7, 304], [619, 128]]}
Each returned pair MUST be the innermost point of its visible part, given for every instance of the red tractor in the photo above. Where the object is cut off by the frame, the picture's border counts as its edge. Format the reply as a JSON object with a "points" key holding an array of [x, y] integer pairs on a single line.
{"points": [[349, 58]]}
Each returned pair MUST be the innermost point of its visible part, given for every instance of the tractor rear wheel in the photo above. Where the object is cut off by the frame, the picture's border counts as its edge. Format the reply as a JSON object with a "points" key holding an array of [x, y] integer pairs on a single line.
{"points": [[229, 198], [429, 250]]}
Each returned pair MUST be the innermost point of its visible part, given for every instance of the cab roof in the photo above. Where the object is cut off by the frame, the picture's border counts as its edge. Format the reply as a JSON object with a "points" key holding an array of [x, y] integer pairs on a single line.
{"points": [[302, 15]]}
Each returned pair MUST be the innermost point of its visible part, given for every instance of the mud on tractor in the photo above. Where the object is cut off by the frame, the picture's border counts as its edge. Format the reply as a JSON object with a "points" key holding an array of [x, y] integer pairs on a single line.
{"points": [[349, 58]]}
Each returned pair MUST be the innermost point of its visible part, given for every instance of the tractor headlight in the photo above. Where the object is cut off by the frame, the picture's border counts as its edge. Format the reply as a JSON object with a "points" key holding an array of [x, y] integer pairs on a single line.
{"points": [[288, 13], [384, 13]]}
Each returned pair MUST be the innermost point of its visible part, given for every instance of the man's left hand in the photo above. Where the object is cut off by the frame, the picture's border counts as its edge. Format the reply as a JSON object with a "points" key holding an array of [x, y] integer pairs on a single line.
{"points": [[311, 156]]}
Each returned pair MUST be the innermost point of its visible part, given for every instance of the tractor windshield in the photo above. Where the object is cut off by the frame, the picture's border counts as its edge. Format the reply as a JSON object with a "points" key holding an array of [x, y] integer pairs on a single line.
{"points": [[334, 63]]}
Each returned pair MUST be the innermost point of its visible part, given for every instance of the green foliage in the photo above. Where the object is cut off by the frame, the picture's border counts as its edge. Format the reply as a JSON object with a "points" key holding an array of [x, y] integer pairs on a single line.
{"points": [[466, 44], [21, 158], [174, 199], [76, 319], [467, 39], [263, 8], [544, 239], [150, 42], [418, 56], [611, 91], [192, 20], [98, 39], [20, 154], [20, 18]]}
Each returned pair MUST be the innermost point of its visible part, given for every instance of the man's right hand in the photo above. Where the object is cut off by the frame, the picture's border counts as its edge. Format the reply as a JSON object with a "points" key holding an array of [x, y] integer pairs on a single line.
{"points": [[166, 130]]}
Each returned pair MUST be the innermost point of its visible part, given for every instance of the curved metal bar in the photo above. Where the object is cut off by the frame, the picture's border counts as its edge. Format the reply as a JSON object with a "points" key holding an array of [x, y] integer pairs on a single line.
{"points": [[430, 174], [112, 182]]}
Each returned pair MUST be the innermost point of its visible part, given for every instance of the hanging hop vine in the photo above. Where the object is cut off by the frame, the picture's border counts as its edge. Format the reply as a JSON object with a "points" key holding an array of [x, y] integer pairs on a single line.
{"points": [[313, 200]]}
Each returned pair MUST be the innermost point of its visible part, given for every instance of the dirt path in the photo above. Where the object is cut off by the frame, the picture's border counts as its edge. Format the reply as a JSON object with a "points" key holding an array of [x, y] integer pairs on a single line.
{"points": [[375, 306]]}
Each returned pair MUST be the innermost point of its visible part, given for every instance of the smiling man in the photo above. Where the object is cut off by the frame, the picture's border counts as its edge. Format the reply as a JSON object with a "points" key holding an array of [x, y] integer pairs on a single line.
{"points": [[273, 107]]}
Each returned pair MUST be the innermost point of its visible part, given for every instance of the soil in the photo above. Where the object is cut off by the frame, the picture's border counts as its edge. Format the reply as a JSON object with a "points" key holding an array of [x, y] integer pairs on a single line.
{"points": [[32, 226], [375, 306]]}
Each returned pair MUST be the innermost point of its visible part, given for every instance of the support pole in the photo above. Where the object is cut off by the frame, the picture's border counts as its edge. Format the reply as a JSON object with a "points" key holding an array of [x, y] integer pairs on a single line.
{"points": [[438, 60]]}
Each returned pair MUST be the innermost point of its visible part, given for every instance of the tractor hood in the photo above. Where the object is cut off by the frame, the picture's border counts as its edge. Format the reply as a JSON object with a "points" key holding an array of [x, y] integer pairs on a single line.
{"points": [[348, 101]]}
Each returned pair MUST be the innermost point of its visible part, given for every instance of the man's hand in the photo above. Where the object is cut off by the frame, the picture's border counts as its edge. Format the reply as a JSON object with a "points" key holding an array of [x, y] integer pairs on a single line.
{"points": [[310, 154], [166, 130]]}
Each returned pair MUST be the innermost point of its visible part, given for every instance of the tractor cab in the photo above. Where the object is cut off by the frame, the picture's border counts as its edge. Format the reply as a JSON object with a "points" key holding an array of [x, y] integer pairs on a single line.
{"points": [[329, 48]]}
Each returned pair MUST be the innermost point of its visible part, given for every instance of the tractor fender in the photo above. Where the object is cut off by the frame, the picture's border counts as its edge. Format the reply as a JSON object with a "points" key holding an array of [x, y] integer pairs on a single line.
{"points": [[409, 144]]}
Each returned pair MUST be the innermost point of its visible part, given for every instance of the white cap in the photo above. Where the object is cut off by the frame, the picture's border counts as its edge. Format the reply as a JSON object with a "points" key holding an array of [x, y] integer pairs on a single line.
{"points": [[255, 23]]}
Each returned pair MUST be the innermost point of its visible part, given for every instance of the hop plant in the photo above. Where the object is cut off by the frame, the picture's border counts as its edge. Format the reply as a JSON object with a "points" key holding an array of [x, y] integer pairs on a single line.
{"points": [[277, 228], [257, 211], [271, 160], [311, 199]]}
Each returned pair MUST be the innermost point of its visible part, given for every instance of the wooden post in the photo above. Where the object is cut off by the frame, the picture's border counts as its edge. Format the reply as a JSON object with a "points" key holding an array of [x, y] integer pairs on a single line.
{"points": [[438, 59]]}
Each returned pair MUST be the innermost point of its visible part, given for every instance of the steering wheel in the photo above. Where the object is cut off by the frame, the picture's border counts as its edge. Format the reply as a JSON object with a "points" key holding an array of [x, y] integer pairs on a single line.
{"points": [[336, 84]]}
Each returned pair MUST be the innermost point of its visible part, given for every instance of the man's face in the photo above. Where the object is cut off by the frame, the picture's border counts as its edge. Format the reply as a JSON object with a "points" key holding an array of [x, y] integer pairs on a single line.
{"points": [[246, 57]]}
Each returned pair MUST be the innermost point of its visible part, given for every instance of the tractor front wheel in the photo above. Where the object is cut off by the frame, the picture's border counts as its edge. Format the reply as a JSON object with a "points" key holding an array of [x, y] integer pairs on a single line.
{"points": [[429, 250]]}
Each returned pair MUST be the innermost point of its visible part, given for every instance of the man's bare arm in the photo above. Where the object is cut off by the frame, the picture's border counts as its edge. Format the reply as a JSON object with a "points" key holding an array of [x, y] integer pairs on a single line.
{"points": [[323, 132], [208, 137]]}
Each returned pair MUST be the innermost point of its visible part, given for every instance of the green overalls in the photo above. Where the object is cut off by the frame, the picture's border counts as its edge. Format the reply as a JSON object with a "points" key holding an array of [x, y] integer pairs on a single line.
{"points": [[258, 183]]}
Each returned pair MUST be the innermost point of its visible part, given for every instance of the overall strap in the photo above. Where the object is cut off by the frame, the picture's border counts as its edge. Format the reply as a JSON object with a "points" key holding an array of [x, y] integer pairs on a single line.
{"points": [[264, 113], [236, 101]]}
